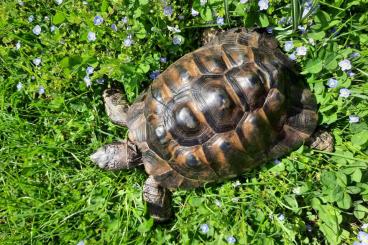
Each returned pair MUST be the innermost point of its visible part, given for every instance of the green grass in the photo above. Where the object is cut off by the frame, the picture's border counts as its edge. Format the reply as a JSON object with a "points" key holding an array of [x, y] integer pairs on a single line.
{"points": [[50, 192]]}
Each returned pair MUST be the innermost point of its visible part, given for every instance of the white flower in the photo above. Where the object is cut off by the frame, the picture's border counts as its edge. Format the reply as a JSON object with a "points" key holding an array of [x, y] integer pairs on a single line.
{"points": [[235, 199], [301, 29], [19, 86], [204, 228], [353, 119], [218, 203], [344, 92], [81, 242], [311, 41], [89, 70], [58, 2], [37, 61], [350, 73], [345, 65], [243, 1], [364, 226], [87, 80], [31, 18], [17, 45], [289, 45], [301, 51], [297, 190], [52, 28], [37, 30], [124, 19], [194, 12], [236, 183], [332, 83], [263, 4], [173, 29], [203, 2], [91, 36], [21, 3]]}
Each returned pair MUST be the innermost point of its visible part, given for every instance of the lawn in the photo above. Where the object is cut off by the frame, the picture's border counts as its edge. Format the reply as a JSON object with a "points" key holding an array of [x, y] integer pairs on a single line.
{"points": [[56, 58]]}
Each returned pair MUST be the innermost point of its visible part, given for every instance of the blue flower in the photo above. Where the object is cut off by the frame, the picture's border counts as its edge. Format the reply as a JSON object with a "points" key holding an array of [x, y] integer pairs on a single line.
{"points": [[52, 28], [31, 18], [332, 83], [154, 74], [194, 12], [353, 119], [282, 21], [302, 51], [354, 55], [292, 56], [87, 80], [81, 243], [269, 29], [350, 73], [204, 228], [263, 4], [19, 86], [91, 36], [114, 27], [220, 21], [128, 41], [37, 61], [276, 161], [231, 239], [41, 90], [345, 65], [302, 29], [163, 59], [37, 30], [124, 19], [98, 20], [281, 217], [168, 10], [344, 92], [89, 70], [289, 45], [177, 40], [309, 227], [100, 81], [363, 237]]}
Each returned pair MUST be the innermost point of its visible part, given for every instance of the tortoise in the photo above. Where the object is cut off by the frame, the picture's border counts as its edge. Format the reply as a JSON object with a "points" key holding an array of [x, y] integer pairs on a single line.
{"points": [[223, 109]]}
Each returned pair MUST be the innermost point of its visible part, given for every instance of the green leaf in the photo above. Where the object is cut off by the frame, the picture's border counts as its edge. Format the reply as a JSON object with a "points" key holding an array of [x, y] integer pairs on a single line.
{"points": [[263, 20], [317, 35], [143, 2], [313, 66], [58, 18], [144, 67], [357, 175], [291, 202], [360, 211], [145, 226], [295, 13], [345, 202], [360, 138]]}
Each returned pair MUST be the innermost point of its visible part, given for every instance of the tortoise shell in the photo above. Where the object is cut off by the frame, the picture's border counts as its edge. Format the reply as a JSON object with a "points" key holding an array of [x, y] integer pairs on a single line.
{"points": [[221, 110]]}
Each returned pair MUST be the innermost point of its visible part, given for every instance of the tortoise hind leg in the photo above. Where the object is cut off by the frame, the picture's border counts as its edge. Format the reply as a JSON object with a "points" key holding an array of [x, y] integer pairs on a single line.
{"points": [[115, 156], [116, 107], [158, 200]]}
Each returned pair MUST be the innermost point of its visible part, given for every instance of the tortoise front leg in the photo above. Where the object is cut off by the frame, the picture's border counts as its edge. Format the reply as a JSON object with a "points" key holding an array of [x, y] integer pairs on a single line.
{"points": [[158, 200], [116, 107], [119, 155]]}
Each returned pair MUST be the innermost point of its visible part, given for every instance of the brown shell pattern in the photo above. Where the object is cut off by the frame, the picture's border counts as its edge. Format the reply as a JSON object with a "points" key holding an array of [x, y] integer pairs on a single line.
{"points": [[221, 110]]}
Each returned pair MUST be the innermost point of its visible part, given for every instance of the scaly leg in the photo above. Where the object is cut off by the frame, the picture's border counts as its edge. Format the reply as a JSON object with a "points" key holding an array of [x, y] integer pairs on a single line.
{"points": [[116, 107], [115, 156], [158, 200], [321, 140]]}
